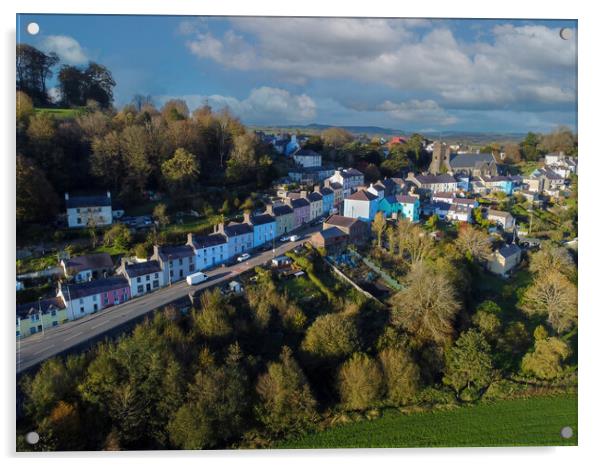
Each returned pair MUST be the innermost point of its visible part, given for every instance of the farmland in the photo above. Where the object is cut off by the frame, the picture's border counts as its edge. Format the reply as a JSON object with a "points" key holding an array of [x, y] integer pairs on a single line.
{"points": [[520, 422]]}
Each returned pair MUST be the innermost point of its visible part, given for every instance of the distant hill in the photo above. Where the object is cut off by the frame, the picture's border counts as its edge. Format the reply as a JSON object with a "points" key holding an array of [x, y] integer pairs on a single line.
{"points": [[464, 137]]}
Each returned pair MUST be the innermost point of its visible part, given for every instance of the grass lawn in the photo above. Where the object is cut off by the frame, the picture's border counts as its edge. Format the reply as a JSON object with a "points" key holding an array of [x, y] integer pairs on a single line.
{"points": [[60, 113], [300, 287], [35, 264], [522, 422]]}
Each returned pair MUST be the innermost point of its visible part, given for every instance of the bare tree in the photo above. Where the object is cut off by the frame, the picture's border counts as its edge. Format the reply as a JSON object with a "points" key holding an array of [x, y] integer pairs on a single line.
{"points": [[414, 244], [554, 295], [549, 258], [474, 243], [427, 306]]}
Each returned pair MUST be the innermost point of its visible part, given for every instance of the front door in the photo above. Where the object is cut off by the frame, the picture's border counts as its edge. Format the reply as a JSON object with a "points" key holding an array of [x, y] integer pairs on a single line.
{"points": [[148, 287]]}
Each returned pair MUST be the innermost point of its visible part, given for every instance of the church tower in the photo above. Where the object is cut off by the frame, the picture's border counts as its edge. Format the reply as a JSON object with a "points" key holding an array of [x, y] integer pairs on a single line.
{"points": [[441, 158]]}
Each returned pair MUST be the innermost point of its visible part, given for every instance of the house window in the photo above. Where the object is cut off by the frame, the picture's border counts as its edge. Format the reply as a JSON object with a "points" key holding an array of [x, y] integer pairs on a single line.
{"points": [[155, 283], [140, 288], [54, 323], [18, 334], [81, 300], [156, 275], [191, 268], [114, 294], [32, 330], [139, 280], [94, 298], [79, 220], [81, 310], [181, 261], [53, 313]]}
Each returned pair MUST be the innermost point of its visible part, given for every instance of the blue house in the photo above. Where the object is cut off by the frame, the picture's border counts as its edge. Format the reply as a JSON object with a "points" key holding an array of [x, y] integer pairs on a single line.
{"points": [[327, 199], [264, 227], [400, 206]]}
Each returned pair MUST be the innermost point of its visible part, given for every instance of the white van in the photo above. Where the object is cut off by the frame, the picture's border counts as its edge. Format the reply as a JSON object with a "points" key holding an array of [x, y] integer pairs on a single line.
{"points": [[196, 278], [294, 238]]}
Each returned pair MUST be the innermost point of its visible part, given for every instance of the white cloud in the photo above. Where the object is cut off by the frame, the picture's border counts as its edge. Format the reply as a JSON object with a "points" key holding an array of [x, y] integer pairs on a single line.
{"points": [[55, 94], [510, 67], [263, 105], [67, 48], [423, 111]]}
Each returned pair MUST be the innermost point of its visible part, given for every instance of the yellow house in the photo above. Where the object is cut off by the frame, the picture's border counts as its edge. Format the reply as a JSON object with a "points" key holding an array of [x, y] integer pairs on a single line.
{"points": [[39, 316], [504, 259]]}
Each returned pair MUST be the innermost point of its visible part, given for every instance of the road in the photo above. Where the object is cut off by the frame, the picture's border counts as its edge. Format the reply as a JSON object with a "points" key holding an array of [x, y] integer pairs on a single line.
{"points": [[36, 348]]}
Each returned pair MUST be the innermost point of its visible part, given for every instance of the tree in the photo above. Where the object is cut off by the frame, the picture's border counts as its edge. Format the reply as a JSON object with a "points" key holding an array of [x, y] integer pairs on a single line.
{"points": [[554, 296], [34, 68], [528, 147], [62, 428], [512, 153], [242, 163], [213, 320], [401, 375], [372, 173], [79, 85], [331, 336], [487, 321], [379, 224], [36, 198], [546, 361], [336, 137], [561, 139], [24, 107], [426, 306], [468, 366], [391, 239], [414, 244], [160, 214], [287, 405], [552, 258], [136, 147], [175, 110], [473, 243], [218, 407], [118, 236], [360, 382], [107, 162], [180, 172]]}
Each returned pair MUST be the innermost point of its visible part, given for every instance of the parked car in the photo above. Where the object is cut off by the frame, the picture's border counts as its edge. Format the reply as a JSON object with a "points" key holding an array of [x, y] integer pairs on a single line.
{"points": [[243, 257], [284, 239], [294, 238], [196, 278]]}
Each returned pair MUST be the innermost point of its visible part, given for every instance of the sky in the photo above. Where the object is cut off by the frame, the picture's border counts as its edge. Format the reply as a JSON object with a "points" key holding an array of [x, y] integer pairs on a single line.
{"points": [[406, 74]]}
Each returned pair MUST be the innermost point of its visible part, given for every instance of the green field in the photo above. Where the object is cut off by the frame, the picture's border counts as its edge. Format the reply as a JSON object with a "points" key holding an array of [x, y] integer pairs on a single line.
{"points": [[522, 422], [60, 113]]}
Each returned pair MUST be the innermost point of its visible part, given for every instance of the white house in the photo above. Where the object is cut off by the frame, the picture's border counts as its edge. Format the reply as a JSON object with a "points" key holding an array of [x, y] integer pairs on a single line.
{"points": [[433, 183], [176, 262], [83, 211], [349, 178], [209, 250], [307, 158], [503, 219], [362, 205], [239, 236], [143, 277], [86, 298]]}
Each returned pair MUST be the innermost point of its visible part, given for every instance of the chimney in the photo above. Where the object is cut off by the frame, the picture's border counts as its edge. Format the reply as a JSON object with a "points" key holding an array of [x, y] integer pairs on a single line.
{"points": [[155, 251], [189, 239], [288, 201], [247, 217], [109, 194], [327, 182], [317, 188], [66, 196], [269, 208], [304, 194]]}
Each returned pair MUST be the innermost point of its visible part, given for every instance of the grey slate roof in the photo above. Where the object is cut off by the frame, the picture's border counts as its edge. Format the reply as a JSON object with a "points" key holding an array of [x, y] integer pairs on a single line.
{"points": [[169, 252], [103, 285], [237, 229], [47, 305], [435, 179], [87, 201], [299, 203], [314, 197], [331, 232], [470, 160], [89, 262], [283, 209], [142, 268], [262, 219], [341, 221], [205, 241], [509, 250]]}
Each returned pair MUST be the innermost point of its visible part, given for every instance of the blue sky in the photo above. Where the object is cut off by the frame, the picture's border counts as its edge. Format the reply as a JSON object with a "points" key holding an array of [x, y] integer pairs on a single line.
{"points": [[412, 75]]}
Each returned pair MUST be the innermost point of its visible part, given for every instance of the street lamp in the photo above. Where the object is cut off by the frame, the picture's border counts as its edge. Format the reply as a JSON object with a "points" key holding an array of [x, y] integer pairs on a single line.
{"points": [[169, 268]]}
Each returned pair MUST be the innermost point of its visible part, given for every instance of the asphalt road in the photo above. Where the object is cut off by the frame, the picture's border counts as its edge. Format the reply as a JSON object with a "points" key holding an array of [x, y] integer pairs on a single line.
{"points": [[36, 348]]}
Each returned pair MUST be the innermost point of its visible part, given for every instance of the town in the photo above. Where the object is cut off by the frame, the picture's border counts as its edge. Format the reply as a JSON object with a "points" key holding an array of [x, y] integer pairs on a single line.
{"points": [[295, 233]]}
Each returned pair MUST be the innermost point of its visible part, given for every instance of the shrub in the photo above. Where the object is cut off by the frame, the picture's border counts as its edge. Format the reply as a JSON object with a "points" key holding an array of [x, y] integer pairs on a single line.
{"points": [[360, 382], [401, 374]]}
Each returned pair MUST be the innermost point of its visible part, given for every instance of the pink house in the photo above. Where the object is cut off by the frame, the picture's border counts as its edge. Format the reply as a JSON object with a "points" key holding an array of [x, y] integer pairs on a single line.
{"points": [[86, 298], [301, 210]]}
